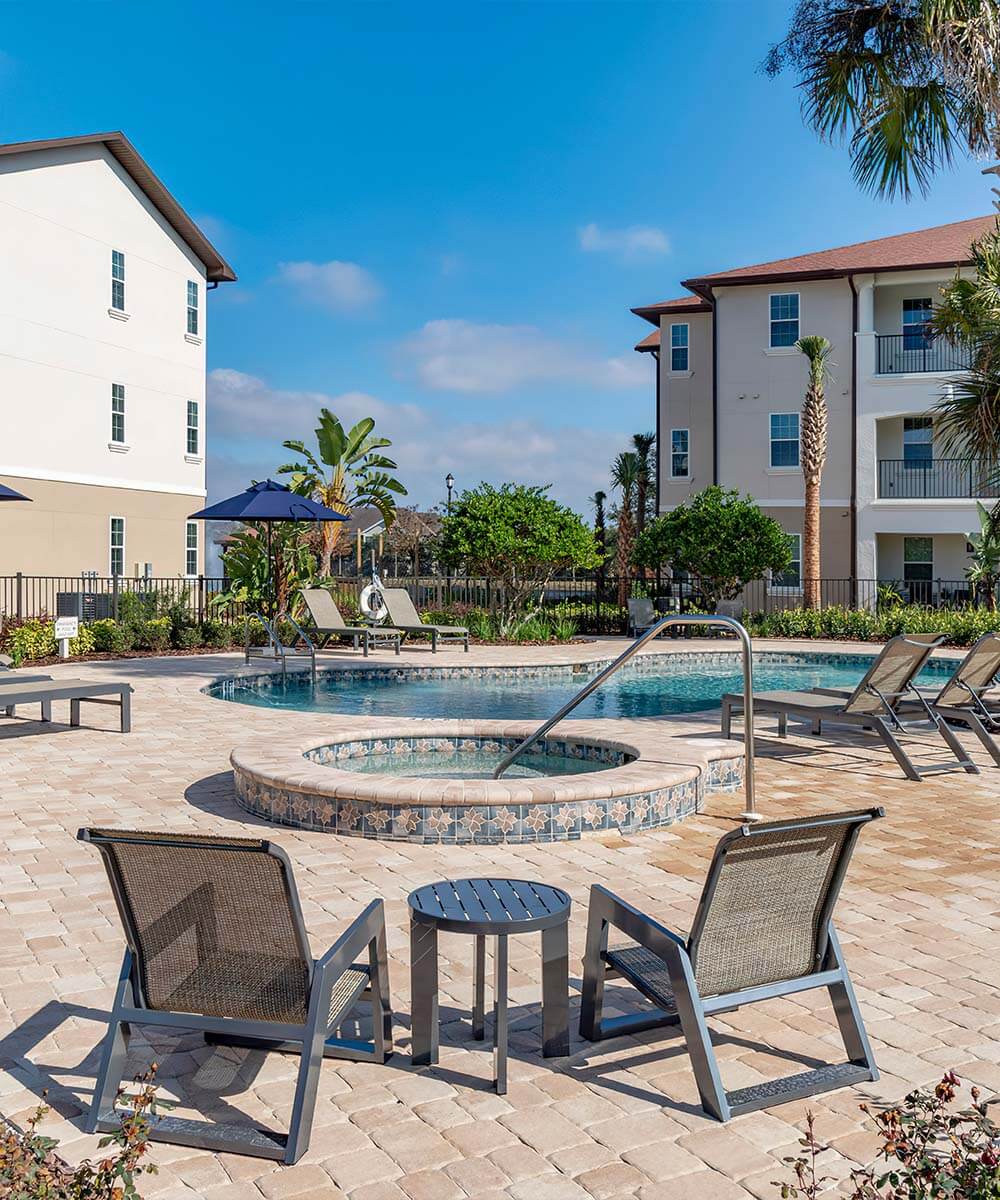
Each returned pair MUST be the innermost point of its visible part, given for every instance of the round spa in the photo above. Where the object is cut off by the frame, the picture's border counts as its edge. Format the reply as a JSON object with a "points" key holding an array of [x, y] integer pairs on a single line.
{"points": [[433, 782]]}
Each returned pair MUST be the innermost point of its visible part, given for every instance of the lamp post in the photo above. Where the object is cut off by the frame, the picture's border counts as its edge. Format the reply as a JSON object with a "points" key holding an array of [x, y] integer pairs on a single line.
{"points": [[449, 483]]}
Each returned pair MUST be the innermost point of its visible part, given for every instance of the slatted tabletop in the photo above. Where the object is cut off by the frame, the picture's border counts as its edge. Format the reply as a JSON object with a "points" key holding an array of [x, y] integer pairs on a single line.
{"points": [[493, 906]]}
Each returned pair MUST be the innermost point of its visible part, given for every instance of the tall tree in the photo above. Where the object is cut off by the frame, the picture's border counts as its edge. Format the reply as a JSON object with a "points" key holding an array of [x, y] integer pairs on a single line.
{"points": [[346, 471], [625, 477], [600, 521], [642, 445], [907, 83], [812, 433]]}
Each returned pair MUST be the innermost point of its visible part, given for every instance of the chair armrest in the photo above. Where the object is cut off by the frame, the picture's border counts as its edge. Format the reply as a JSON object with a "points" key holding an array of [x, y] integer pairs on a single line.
{"points": [[353, 941], [636, 924]]}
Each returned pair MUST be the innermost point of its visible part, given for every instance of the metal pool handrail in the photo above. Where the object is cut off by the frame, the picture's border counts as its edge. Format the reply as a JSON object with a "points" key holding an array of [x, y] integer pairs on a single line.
{"points": [[591, 685], [275, 645]]}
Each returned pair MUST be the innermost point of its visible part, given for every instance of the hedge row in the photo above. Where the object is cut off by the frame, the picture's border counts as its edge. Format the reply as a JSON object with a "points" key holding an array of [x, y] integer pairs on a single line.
{"points": [[960, 626]]}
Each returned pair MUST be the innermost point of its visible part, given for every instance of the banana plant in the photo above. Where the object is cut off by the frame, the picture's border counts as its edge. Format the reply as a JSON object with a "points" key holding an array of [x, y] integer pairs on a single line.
{"points": [[983, 572], [345, 471]]}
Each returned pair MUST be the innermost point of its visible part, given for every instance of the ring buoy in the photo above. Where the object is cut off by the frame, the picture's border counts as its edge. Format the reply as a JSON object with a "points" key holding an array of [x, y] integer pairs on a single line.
{"points": [[372, 604]]}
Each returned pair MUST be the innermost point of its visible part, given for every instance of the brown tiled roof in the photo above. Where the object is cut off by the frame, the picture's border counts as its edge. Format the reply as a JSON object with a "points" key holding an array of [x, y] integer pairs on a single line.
{"points": [[651, 342], [940, 246], [216, 268], [681, 304]]}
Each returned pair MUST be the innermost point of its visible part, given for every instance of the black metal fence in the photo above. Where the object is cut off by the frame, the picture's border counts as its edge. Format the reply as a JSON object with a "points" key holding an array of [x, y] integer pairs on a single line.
{"points": [[936, 479], [910, 353], [93, 597]]}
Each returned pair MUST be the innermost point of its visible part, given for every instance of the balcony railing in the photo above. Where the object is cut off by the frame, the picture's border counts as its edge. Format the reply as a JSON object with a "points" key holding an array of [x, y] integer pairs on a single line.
{"points": [[936, 479], [912, 353]]}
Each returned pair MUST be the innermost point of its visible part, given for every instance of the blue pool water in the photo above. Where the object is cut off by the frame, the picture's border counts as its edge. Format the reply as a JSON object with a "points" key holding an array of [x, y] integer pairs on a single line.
{"points": [[654, 687]]}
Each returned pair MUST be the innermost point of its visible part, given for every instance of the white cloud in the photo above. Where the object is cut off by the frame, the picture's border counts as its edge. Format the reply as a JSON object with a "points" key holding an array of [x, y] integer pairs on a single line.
{"points": [[340, 286], [631, 243], [454, 355], [248, 420]]}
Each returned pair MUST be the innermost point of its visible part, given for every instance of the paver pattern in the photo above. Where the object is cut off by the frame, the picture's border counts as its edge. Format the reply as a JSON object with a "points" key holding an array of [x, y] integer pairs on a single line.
{"points": [[919, 919]]}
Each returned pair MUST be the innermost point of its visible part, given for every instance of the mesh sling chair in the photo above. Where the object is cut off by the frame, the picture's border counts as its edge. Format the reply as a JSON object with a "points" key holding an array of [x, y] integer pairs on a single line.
{"points": [[216, 943], [328, 623], [406, 619], [763, 929], [877, 703]]}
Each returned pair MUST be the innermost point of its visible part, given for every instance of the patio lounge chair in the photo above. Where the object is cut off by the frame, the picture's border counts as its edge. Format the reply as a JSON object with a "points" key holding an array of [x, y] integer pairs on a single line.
{"points": [[406, 619], [216, 943], [10, 674], [42, 690], [328, 623], [876, 704], [640, 616], [763, 929]]}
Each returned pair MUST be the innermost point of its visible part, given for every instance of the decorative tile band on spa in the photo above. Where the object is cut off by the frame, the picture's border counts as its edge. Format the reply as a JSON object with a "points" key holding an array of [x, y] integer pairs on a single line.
{"points": [[395, 745]]}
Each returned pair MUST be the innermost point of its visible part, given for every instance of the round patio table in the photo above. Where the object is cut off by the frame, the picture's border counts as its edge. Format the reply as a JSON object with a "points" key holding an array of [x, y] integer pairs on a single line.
{"points": [[489, 908]]}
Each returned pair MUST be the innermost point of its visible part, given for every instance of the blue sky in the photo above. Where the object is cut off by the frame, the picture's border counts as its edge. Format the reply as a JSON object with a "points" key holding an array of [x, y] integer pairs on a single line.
{"points": [[441, 214]]}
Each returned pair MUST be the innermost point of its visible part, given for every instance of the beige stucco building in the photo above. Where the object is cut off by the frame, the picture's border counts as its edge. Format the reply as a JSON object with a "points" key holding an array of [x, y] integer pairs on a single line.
{"points": [[730, 385], [102, 363]]}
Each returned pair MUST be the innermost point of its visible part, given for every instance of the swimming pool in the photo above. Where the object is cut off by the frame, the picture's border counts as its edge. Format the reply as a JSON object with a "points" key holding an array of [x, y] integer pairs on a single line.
{"points": [[650, 686]]}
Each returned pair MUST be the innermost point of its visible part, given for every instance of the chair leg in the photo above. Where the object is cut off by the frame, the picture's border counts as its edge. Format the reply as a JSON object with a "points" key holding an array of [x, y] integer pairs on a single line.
{"points": [[696, 1034], [989, 744], [956, 746], [113, 1055], [848, 1014], [304, 1105], [782, 724], [895, 749], [727, 719], [594, 973], [378, 962], [126, 712]]}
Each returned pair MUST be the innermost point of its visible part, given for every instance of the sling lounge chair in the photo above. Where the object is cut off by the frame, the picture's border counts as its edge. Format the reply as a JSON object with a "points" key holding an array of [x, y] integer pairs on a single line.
{"points": [[328, 623], [763, 929], [876, 704], [216, 943], [406, 619], [640, 616]]}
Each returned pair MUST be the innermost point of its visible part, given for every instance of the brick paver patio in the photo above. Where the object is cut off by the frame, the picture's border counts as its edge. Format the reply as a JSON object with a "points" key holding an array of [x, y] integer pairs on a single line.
{"points": [[918, 919]]}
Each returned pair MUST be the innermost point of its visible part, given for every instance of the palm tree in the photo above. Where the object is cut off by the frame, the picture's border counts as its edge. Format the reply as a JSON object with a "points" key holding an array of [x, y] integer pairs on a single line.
{"points": [[642, 445], [358, 474], [813, 440], [600, 521], [909, 82], [625, 473]]}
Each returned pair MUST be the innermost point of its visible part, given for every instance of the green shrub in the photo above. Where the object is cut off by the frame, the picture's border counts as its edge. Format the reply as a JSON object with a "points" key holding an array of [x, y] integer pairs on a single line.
{"points": [[959, 626], [110, 637], [28, 640], [187, 637], [83, 643], [154, 634], [217, 634], [563, 628]]}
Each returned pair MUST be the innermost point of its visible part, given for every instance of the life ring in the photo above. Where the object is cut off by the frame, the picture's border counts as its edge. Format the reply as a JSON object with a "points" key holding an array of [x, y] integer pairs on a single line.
{"points": [[372, 604]]}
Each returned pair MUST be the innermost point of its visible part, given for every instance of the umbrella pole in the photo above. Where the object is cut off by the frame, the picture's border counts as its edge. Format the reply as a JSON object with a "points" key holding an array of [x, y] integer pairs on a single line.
{"points": [[270, 575]]}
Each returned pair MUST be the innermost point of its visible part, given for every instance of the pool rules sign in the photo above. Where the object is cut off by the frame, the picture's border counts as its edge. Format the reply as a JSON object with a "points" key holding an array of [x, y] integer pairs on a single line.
{"points": [[66, 629]]}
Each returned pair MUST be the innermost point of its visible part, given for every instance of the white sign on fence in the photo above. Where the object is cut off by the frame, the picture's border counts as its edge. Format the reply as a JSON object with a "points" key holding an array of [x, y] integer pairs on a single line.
{"points": [[67, 627]]}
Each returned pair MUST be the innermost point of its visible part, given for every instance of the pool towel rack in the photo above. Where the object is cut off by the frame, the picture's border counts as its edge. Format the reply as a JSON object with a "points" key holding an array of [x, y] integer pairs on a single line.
{"points": [[275, 648], [730, 623]]}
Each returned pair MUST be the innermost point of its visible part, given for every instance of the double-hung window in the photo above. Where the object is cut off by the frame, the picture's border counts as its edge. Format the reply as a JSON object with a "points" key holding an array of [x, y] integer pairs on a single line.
{"points": [[784, 319], [784, 439], [193, 439], [118, 280], [117, 544], [918, 441], [679, 462], [916, 314], [118, 413], [791, 576], [192, 307], [678, 347], [191, 548], [918, 568]]}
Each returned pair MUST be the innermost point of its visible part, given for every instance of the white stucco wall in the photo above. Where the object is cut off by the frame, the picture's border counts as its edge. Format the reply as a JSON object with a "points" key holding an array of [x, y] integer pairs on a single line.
{"points": [[686, 403]]}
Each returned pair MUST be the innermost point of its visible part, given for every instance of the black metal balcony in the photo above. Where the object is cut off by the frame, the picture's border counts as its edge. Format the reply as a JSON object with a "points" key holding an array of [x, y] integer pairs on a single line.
{"points": [[913, 353], [936, 479]]}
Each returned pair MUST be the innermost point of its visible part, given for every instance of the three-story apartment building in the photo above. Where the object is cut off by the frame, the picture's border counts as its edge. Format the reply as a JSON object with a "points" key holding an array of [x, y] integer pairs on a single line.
{"points": [[730, 386], [102, 362]]}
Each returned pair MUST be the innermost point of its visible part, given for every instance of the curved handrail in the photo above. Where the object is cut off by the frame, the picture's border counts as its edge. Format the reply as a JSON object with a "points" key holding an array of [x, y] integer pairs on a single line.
{"points": [[592, 684], [275, 643]]}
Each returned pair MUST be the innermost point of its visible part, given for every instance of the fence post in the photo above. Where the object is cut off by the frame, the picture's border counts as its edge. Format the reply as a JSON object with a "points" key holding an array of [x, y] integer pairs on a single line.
{"points": [[20, 596], [114, 596], [201, 599]]}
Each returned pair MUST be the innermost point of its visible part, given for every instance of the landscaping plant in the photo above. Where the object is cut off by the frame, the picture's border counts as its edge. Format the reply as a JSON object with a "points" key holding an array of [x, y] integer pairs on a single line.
{"points": [[625, 475], [813, 438]]}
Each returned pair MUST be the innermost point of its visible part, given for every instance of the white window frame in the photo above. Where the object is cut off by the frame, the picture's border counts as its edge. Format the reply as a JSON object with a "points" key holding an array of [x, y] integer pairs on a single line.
{"points": [[903, 323], [916, 462], [193, 310], [789, 589], [189, 527], [771, 321], [685, 325], [686, 453], [771, 440], [112, 547], [117, 388], [117, 280], [195, 429]]}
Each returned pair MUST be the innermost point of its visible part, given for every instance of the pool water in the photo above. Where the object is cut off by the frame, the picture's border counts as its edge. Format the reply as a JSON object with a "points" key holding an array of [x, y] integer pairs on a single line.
{"points": [[470, 764], [651, 688]]}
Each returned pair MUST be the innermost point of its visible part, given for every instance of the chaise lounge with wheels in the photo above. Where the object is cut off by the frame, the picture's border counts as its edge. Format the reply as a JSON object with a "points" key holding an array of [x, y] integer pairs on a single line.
{"points": [[42, 690], [876, 704], [216, 943], [406, 619], [328, 623], [763, 929]]}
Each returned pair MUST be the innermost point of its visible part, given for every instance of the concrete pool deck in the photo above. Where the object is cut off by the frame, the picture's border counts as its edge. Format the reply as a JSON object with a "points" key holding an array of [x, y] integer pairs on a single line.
{"points": [[919, 921]]}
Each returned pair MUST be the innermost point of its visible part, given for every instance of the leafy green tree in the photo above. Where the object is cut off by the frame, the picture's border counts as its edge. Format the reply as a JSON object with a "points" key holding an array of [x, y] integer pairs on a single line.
{"points": [[347, 471], [908, 82], [721, 539], [518, 537], [813, 434]]}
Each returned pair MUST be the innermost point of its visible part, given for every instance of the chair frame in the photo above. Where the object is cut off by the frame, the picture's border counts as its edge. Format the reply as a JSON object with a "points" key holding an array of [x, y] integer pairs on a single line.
{"points": [[313, 1040], [692, 1010], [365, 635]]}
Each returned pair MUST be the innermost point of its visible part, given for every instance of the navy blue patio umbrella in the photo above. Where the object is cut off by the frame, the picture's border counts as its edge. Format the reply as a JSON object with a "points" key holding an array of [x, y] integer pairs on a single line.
{"points": [[7, 493], [268, 502]]}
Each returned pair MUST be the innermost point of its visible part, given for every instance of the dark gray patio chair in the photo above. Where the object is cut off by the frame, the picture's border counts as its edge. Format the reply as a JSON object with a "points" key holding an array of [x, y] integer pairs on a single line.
{"points": [[405, 618], [763, 929], [875, 704], [328, 623], [216, 943], [641, 616]]}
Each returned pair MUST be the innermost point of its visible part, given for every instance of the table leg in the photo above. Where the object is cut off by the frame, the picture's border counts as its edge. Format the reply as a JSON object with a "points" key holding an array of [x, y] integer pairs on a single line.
{"points": [[479, 990], [555, 990], [424, 993], [500, 1014]]}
